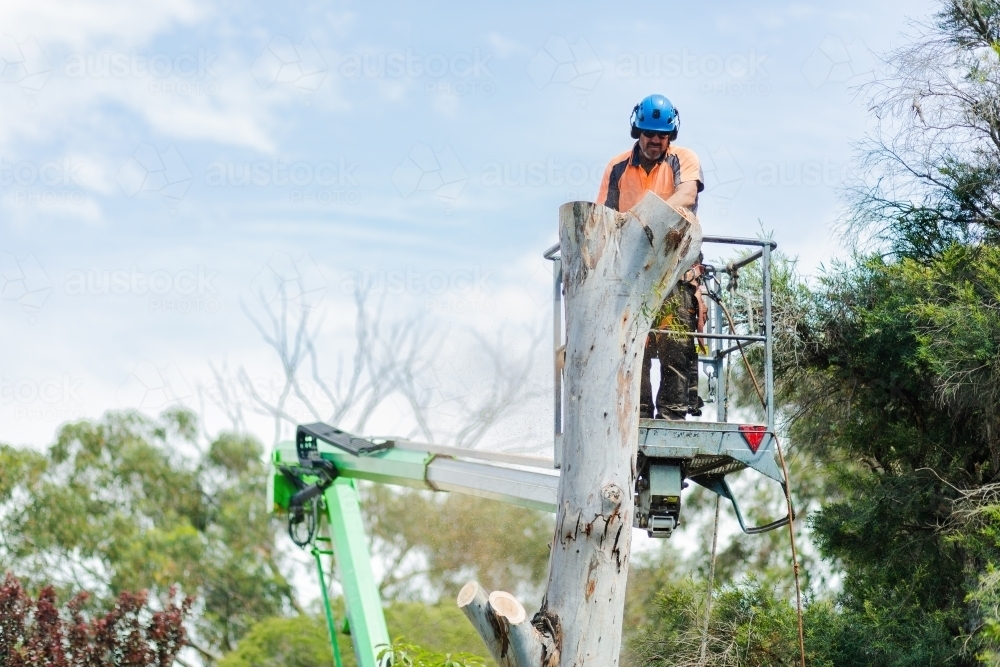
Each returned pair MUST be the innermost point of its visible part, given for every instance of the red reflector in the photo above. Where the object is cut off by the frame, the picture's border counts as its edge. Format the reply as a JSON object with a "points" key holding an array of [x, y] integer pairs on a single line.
{"points": [[754, 435]]}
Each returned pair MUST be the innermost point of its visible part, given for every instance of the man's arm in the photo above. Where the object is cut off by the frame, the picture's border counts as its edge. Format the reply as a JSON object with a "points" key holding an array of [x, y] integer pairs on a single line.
{"points": [[685, 195]]}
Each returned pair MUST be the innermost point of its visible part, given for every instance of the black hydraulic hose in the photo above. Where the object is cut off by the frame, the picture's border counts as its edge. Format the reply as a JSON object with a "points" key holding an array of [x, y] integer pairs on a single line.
{"points": [[298, 514]]}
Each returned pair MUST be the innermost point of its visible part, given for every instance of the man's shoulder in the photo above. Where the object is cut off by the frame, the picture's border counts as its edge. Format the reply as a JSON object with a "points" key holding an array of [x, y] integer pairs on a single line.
{"points": [[683, 152]]}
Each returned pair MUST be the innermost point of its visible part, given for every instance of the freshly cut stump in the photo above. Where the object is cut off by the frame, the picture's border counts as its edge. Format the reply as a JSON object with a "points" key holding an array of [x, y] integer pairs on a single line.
{"points": [[502, 623]]}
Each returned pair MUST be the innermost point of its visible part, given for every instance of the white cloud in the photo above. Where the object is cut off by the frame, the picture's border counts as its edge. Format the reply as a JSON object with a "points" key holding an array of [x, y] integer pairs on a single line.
{"points": [[235, 117], [505, 47], [92, 172], [82, 23]]}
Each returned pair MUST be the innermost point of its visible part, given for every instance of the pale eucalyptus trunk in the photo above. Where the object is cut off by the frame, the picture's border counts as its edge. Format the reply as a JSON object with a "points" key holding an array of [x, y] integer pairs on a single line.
{"points": [[617, 270]]}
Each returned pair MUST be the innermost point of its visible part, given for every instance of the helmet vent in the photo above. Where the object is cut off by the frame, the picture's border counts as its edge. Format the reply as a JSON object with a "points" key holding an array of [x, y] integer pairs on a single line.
{"points": [[656, 113]]}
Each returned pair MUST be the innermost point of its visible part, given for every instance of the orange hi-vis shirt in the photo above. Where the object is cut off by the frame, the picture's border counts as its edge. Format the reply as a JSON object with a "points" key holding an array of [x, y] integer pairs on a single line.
{"points": [[625, 181]]}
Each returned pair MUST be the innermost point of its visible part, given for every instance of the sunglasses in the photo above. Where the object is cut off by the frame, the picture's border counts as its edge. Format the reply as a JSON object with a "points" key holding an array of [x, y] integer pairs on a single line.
{"points": [[649, 134]]}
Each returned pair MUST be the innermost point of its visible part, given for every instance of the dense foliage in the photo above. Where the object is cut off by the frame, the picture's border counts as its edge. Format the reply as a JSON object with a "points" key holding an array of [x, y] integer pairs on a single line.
{"points": [[302, 641], [401, 654], [435, 543], [129, 503], [35, 633]]}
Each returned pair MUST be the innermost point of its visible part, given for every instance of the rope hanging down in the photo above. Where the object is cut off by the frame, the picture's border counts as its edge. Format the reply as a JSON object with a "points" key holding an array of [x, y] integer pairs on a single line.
{"points": [[787, 489], [711, 582]]}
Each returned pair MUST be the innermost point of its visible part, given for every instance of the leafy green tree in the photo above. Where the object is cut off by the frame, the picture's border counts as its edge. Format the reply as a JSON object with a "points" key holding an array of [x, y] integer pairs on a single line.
{"points": [[441, 630], [444, 540], [131, 503], [894, 380], [297, 641], [748, 625]]}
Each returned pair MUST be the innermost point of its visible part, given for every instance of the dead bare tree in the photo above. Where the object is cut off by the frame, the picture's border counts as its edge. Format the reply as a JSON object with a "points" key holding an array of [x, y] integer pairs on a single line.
{"points": [[503, 386], [618, 268], [935, 104], [381, 356], [224, 396], [508, 380], [388, 357]]}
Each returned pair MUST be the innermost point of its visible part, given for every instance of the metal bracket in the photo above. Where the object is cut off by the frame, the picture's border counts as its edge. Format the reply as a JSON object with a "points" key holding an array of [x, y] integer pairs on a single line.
{"points": [[324, 472], [719, 485], [307, 434]]}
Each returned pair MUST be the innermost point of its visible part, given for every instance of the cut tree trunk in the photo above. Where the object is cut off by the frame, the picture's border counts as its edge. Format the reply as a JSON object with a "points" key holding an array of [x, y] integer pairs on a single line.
{"points": [[617, 270]]}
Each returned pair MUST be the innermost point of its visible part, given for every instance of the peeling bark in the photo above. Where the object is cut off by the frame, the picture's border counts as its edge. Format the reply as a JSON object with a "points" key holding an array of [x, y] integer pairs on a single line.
{"points": [[617, 270]]}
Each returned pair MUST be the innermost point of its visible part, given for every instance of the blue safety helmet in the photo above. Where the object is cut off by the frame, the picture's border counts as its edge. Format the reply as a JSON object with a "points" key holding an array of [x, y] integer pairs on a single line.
{"points": [[657, 114]]}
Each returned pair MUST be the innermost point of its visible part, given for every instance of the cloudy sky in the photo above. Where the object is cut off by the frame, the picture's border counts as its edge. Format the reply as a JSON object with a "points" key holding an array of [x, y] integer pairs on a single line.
{"points": [[160, 162]]}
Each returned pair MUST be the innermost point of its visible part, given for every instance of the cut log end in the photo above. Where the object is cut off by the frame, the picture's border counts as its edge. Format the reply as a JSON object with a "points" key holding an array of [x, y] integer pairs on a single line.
{"points": [[503, 624], [506, 605], [467, 594]]}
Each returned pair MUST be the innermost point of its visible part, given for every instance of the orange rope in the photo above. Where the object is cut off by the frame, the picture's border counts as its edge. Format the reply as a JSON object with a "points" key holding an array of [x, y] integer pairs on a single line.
{"points": [[787, 489]]}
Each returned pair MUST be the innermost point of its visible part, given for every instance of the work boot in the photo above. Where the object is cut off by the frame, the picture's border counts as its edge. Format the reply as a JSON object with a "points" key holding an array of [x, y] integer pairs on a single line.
{"points": [[695, 410], [645, 411], [672, 415]]}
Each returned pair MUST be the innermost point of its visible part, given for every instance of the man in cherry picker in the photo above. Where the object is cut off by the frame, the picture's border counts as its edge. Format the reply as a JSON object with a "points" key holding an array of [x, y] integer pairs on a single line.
{"points": [[674, 173]]}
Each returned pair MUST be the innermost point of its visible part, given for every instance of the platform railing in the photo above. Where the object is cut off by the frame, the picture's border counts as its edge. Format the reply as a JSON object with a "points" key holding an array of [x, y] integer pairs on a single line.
{"points": [[720, 337]]}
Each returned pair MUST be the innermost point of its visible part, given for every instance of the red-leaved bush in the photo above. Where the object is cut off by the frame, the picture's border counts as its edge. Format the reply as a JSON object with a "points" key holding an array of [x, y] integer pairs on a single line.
{"points": [[34, 633]]}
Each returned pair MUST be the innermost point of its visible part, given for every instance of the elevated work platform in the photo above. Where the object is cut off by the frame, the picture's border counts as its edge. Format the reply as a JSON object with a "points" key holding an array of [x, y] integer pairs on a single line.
{"points": [[711, 448], [702, 451]]}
